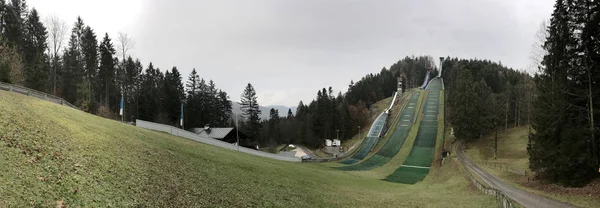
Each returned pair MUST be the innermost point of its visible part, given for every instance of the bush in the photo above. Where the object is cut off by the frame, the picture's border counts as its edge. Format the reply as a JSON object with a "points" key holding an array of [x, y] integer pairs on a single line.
{"points": [[104, 111], [11, 68]]}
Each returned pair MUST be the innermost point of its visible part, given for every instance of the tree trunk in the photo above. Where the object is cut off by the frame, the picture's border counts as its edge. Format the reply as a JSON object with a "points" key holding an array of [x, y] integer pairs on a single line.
{"points": [[506, 115], [590, 98], [529, 100], [106, 98], [516, 112], [496, 145]]}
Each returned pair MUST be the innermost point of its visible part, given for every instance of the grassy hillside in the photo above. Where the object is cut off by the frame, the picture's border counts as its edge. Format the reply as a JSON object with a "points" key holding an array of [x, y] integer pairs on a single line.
{"points": [[51, 155], [512, 155]]}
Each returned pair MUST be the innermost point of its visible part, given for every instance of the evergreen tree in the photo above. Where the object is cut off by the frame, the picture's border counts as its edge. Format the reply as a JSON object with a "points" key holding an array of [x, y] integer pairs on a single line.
{"points": [[224, 108], [251, 112], [192, 100], [14, 21], [290, 115], [151, 96], [72, 70], [36, 61], [560, 149], [106, 72], [89, 52], [463, 116], [173, 95]]}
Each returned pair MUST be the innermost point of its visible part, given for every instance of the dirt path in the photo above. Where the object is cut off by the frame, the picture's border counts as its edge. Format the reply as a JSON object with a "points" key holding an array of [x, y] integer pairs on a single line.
{"points": [[524, 198]]}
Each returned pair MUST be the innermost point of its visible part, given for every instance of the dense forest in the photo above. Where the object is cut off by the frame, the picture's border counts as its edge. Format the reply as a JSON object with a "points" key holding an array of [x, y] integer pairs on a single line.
{"points": [[331, 115], [564, 144], [484, 97]]}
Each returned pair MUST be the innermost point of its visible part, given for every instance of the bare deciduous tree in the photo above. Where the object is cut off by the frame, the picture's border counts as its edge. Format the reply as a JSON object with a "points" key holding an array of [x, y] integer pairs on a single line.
{"points": [[537, 49], [126, 43], [57, 30]]}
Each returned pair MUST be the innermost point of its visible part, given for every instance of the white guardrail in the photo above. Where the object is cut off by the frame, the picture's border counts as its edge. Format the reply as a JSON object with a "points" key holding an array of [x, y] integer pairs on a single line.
{"points": [[189, 135]]}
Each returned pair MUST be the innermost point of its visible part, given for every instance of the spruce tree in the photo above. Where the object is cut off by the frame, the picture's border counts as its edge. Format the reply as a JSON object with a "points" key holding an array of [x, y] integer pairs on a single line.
{"points": [[192, 100], [173, 95], [560, 147], [106, 72], [35, 60], [251, 112], [89, 52]]}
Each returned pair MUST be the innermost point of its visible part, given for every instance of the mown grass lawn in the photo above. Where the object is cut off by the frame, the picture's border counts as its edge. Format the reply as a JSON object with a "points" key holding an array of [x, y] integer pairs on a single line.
{"points": [[51, 155]]}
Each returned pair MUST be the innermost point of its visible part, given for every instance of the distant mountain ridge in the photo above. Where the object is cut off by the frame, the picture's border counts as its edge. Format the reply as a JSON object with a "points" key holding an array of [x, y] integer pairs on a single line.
{"points": [[265, 110]]}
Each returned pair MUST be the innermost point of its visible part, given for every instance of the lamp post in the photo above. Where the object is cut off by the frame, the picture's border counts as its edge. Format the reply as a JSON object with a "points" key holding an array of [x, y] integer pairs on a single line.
{"points": [[337, 134]]}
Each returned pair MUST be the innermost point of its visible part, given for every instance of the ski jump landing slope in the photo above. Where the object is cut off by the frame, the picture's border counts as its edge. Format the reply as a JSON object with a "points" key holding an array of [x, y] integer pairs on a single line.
{"points": [[393, 145], [417, 164], [372, 137]]}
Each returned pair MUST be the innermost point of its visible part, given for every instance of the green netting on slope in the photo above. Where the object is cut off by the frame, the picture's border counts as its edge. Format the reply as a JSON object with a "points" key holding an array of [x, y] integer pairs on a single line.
{"points": [[363, 151], [394, 144], [420, 156], [370, 140], [407, 175], [422, 152]]}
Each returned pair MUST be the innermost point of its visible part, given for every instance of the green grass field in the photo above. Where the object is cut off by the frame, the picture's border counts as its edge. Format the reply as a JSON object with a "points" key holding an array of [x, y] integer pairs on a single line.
{"points": [[52, 155]]}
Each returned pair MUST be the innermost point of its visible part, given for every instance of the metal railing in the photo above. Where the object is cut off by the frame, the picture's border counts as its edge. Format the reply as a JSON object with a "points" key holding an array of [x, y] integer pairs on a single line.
{"points": [[189, 135], [36, 94]]}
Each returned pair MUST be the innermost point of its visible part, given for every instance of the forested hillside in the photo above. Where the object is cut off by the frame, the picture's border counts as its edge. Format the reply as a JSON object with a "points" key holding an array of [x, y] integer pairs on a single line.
{"points": [[327, 113], [484, 97]]}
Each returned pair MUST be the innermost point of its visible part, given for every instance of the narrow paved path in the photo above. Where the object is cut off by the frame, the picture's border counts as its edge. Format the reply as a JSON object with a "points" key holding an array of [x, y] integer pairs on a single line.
{"points": [[522, 197]]}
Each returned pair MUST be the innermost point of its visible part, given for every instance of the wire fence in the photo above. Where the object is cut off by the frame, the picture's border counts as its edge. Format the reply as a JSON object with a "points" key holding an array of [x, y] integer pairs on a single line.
{"points": [[36, 94], [189, 135]]}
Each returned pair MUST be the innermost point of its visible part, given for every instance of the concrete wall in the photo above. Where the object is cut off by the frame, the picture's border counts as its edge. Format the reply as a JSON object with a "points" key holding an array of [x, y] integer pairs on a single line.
{"points": [[189, 135]]}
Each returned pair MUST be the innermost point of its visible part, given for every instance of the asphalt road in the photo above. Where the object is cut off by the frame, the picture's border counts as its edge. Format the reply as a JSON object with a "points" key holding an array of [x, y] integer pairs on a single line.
{"points": [[524, 198]]}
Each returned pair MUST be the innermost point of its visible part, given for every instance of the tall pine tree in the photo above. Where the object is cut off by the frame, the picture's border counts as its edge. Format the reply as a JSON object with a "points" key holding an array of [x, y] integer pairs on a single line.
{"points": [[251, 112]]}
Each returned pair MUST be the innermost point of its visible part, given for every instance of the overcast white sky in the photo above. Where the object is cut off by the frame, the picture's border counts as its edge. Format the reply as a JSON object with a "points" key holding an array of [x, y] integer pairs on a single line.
{"points": [[288, 49]]}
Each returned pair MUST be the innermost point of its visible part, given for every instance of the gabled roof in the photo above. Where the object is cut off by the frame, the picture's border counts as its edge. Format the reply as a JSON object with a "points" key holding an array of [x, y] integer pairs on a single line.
{"points": [[215, 133]]}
